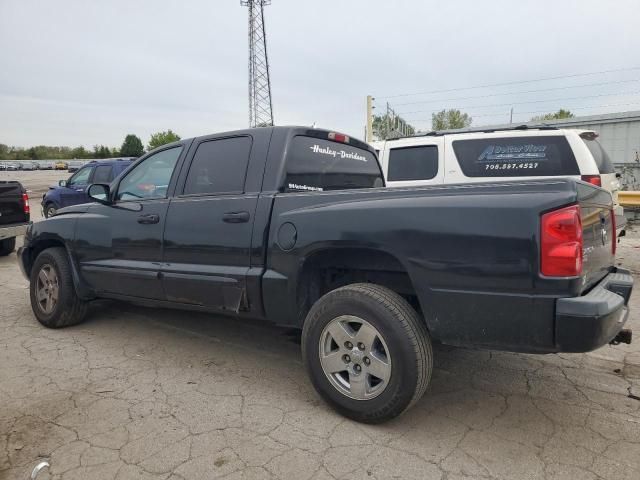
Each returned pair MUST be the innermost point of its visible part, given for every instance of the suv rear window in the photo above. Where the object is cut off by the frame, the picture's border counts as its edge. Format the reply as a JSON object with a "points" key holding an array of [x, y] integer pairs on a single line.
{"points": [[314, 164], [516, 157], [600, 156]]}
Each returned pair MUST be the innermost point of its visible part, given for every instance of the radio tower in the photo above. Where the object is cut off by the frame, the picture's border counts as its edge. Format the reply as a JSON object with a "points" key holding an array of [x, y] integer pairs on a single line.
{"points": [[260, 108]]}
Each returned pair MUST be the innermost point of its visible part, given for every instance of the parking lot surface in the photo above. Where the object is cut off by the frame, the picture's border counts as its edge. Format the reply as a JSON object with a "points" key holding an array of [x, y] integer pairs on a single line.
{"points": [[137, 393]]}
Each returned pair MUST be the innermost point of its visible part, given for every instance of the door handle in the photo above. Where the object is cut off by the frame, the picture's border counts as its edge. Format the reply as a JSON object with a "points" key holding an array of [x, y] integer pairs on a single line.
{"points": [[149, 218], [236, 217]]}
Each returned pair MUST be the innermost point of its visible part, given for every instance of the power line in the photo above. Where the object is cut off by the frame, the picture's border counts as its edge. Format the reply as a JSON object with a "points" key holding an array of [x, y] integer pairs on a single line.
{"points": [[529, 102], [504, 114], [517, 82], [517, 93]]}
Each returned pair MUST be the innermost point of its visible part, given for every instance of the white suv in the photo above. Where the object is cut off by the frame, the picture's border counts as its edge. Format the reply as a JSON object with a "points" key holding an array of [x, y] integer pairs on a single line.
{"points": [[494, 155]]}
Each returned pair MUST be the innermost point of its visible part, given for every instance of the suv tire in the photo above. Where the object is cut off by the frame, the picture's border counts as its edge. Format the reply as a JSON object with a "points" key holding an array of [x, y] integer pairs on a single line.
{"points": [[53, 296], [50, 210], [387, 366]]}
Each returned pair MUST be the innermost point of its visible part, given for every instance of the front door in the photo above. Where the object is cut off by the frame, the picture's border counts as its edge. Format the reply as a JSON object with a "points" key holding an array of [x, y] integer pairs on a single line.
{"points": [[207, 236], [75, 189], [120, 245]]}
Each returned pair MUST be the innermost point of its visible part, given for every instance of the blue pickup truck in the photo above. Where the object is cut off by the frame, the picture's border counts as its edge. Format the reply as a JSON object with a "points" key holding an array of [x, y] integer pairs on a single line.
{"points": [[74, 191]]}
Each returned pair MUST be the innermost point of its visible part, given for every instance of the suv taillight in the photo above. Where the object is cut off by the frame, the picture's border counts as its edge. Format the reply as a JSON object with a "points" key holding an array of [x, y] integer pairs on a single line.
{"points": [[592, 179], [25, 202], [561, 243]]}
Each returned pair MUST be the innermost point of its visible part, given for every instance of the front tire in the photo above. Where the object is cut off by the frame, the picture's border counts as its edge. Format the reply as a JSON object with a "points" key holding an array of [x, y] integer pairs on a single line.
{"points": [[50, 210], [367, 352], [53, 296], [7, 246]]}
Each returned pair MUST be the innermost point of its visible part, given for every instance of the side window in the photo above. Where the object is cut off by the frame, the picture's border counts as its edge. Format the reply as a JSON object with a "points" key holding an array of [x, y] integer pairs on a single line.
{"points": [[81, 177], [102, 174], [219, 166], [413, 163], [150, 179]]}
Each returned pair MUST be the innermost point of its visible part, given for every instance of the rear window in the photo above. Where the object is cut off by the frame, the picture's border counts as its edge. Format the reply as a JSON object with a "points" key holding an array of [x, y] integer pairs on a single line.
{"points": [[516, 157], [314, 164], [102, 174], [219, 166], [413, 163], [600, 156]]}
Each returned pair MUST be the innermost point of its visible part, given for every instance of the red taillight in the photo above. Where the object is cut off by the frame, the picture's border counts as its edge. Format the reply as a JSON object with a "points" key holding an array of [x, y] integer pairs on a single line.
{"points": [[592, 179], [338, 137], [561, 243], [25, 201], [613, 232]]}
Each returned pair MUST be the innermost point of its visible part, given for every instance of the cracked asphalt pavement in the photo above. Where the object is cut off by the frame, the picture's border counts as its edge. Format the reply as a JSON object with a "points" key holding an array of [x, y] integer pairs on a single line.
{"points": [[137, 393]]}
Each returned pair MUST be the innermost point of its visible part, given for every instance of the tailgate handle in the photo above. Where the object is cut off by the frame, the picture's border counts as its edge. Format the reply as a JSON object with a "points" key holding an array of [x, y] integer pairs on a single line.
{"points": [[236, 217]]}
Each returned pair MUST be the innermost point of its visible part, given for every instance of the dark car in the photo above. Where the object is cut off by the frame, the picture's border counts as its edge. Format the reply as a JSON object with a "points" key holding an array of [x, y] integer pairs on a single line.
{"points": [[74, 191], [293, 225], [14, 214]]}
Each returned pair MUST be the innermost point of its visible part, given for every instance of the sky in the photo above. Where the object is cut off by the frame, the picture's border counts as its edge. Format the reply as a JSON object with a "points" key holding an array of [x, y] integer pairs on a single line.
{"points": [[87, 72]]}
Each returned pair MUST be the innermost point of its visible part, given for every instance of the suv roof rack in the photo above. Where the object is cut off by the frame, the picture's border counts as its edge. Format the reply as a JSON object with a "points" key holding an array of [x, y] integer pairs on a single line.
{"points": [[438, 133]]}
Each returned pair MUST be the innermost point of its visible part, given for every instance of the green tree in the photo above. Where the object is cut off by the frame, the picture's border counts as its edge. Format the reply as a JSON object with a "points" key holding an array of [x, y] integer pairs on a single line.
{"points": [[560, 114], [162, 138], [132, 146], [79, 152], [100, 151], [449, 120], [386, 126], [4, 152]]}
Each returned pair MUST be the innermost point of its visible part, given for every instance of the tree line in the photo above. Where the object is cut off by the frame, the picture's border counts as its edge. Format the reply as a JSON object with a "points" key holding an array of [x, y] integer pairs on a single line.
{"points": [[132, 146], [448, 120]]}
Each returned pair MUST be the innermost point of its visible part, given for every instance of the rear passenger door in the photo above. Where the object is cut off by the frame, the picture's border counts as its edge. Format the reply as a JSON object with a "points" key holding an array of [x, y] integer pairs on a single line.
{"points": [[207, 237], [413, 162]]}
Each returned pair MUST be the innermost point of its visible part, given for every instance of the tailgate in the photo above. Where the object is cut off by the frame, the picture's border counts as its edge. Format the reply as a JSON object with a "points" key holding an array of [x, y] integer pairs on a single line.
{"points": [[598, 233], [11, 203]]}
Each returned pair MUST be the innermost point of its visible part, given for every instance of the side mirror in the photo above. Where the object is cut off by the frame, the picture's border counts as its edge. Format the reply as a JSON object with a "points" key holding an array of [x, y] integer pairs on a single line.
{"points": [[99, 192], [62, 183], [618, 175]]}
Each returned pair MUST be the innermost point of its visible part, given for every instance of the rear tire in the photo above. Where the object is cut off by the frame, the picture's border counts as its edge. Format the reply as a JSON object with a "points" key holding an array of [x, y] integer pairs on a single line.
{"points": [[395, 366], [7, 246], [53, 296]]}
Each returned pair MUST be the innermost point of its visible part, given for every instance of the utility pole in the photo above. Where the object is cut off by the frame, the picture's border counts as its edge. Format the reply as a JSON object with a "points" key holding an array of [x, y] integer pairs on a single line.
{"points": [[260, 106], [511, 116], [369, 124]]}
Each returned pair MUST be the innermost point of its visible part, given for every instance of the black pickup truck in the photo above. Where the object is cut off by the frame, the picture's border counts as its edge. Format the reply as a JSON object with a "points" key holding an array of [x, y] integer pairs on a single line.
{"points": [[14, 215], [293, 225]]}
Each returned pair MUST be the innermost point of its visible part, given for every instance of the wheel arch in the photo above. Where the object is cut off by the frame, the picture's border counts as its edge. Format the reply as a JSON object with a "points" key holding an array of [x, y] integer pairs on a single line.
{"points": [[35, 248], [329, 268]]}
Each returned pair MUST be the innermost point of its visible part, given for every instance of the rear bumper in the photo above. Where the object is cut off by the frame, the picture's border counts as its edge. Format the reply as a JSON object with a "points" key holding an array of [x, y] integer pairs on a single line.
{"points": [[593, 320], [11, 231]]}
